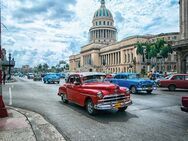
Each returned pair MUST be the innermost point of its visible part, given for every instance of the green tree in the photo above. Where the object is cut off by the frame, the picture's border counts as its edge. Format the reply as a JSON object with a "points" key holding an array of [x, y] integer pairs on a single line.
{"points": [[140, 48], [45, 67], [150, 50]]}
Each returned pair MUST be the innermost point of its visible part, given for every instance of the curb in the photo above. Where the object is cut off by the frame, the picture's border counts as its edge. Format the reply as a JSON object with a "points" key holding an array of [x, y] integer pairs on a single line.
{"points": [[42, 130]]}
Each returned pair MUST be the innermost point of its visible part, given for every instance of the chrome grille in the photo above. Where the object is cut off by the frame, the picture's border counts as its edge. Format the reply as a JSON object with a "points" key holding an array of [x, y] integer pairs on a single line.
{"points": [[113, 98]]}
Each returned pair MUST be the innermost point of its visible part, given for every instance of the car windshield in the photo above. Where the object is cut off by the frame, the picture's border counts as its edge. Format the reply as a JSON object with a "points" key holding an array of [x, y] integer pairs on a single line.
{"points": [[93, 78], [169, 77], [133, 76], [54, 75]]}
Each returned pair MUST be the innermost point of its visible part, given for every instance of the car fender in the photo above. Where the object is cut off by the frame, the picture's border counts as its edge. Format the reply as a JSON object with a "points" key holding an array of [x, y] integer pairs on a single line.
{"points": [[62, 90]]}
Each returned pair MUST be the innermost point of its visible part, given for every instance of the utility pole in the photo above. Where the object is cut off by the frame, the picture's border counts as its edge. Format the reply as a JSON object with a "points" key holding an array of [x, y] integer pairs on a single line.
{"points": [[3, 110]]}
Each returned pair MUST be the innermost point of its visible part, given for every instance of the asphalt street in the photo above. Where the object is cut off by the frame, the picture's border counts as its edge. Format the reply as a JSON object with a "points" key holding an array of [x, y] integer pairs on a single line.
{"points": [[151, 117]]}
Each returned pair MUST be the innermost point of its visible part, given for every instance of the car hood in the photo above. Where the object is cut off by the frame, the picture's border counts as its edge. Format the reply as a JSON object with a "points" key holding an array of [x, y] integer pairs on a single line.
{"points": [[141, 80], [100, 86]]}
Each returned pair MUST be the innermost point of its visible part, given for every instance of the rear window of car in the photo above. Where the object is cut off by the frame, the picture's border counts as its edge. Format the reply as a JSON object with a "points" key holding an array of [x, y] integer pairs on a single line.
{"points": [[179, 77]]}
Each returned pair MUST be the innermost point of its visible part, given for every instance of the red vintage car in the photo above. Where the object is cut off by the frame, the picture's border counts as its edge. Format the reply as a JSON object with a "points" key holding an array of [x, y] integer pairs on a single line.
{"points": [[91, 91], [184, 106], [175, 81]]}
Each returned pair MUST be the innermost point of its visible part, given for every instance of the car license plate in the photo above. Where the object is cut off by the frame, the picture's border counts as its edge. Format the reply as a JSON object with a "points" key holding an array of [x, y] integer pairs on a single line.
{"points": [[117, 105]]}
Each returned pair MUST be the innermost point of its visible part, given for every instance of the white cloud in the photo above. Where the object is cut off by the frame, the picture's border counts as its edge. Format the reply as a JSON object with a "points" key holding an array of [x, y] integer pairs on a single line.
{"points": [[61, 27]]}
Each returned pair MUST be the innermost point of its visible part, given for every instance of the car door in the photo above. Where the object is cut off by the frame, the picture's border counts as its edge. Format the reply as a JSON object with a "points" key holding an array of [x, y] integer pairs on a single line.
{"points": [[186, 82], [77, 90], [70, 88], [123, 80], [179, 81], [116, 79]]}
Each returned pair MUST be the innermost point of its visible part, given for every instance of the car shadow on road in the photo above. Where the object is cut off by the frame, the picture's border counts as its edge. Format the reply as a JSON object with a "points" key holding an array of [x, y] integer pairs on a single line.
{"points": [[179, 90], [105, 116], [145, 94]]}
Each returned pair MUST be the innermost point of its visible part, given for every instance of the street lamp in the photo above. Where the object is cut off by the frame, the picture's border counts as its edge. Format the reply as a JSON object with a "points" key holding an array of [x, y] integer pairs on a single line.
{"points": [[160, 57]]}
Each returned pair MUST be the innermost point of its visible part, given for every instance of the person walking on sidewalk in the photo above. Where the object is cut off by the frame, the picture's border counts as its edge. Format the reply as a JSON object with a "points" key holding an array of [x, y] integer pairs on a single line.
{"points": [[4, 77]]}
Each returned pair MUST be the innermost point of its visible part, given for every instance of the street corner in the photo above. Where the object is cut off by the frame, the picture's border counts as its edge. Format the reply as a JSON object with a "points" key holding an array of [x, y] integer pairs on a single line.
{"points": [[41, 128], [15, 127], [15, 120]]}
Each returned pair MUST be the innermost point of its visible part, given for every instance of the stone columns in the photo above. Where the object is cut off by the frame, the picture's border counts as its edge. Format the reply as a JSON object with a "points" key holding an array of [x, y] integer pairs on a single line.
{"points": [[184, 19]]}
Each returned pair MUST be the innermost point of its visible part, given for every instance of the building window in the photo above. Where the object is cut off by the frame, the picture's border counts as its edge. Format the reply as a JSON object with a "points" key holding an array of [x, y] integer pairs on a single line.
{"points": [[111, 23], [128, 58], [104, 22], [175, 37], [168, 38], [108, 23], [96, 23], [99, 22]]}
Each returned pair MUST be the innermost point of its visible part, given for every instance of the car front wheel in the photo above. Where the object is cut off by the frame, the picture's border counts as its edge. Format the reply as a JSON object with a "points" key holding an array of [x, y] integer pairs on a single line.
{"points": [[133, 90], [172, 87], [90, 107], [64, 98]]}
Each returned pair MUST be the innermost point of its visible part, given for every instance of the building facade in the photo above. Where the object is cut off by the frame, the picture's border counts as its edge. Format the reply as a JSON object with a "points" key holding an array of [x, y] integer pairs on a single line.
{"points": [[105, 54], [181, 47]]}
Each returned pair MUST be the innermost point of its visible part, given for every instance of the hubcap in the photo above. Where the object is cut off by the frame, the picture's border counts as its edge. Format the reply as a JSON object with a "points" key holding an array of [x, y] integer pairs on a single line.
{"points": [[133, 89], [90, 107], [64, 97]]}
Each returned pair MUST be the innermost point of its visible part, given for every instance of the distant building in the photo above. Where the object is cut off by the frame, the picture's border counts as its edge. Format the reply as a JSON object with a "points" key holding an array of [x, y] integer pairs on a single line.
{"points": [[181, 47], [104, 53]]}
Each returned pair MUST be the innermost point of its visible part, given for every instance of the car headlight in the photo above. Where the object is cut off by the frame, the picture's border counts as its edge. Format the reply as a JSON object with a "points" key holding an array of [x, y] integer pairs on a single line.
{"points": [[100, 94], [127, 91]]}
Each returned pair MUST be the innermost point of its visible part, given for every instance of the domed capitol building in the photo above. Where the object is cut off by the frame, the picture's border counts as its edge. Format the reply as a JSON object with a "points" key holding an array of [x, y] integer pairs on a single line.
{"points": [[105, 54]]}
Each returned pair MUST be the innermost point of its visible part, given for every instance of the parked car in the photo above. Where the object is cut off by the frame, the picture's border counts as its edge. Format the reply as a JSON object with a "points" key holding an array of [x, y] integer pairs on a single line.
{"points": [[184, 106], [91, 91], [51, 78], [37, 77], [175, 81], [61, 75], [133, 82], [30, 75]]}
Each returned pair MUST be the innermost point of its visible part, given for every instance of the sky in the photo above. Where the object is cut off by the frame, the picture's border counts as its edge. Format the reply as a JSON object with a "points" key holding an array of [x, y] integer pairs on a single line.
{"points": [[47, 31]]}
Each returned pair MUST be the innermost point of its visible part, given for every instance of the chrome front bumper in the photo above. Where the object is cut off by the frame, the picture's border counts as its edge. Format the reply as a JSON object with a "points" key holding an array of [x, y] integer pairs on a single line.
{"points": [[146, 89], [112, 105]]}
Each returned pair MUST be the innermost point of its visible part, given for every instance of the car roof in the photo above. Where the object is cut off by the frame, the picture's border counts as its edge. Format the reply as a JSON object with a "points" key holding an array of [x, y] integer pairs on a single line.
{"points": [[180, 74], [125, 73], [88, 73]]}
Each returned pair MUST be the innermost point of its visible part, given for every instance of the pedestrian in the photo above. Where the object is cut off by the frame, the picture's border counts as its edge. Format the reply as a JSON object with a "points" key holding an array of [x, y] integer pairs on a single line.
{"points": [[4, 77], [165, 74]]}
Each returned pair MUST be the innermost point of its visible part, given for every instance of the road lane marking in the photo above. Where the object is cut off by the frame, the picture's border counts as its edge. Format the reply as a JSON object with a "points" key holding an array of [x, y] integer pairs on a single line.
{"points": [[10, 96]]}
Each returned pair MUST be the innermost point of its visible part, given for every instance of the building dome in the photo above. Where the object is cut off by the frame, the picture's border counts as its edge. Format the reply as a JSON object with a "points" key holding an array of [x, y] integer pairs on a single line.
{"points": [[103, 12], [103, 30]]}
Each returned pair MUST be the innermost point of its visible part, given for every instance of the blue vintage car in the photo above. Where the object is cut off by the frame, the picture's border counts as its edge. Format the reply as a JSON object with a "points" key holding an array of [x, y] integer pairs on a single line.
{"points": [[133, 82], [51, 78]]}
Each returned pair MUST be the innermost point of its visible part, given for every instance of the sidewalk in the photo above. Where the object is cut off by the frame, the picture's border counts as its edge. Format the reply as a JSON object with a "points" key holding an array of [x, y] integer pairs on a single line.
{"points": [[23, 125]]}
